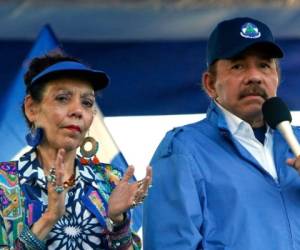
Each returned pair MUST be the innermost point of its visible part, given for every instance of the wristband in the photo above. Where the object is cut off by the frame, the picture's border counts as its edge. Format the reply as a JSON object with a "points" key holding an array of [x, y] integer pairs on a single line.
{"points": [[119, 235], [113, 226], [30, 240]]}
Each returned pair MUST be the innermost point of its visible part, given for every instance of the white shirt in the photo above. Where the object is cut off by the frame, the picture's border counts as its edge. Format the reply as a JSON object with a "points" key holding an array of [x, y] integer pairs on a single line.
{"points": [[243, 132]]}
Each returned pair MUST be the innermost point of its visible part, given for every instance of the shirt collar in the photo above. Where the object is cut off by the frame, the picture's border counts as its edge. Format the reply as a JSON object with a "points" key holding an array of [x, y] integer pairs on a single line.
{"points": [[236, 125], [87, 174], [233, 122], [30, 170]]}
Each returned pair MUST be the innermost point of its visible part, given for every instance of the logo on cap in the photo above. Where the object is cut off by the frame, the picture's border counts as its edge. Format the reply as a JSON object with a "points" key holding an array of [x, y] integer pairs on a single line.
{"points": [[249, 30]]}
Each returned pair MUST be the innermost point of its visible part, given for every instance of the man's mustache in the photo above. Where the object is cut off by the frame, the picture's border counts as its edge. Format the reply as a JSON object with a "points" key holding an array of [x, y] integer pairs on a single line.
{"points": [[254, 90]]}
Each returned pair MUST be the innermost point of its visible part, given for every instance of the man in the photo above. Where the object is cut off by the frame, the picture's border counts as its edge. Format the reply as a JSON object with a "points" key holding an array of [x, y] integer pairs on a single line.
{"points": [[225, 183]]}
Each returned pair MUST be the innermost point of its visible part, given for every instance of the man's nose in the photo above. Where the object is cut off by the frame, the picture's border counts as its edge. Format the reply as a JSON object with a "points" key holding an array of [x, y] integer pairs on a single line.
{"points": [[253, 76]]}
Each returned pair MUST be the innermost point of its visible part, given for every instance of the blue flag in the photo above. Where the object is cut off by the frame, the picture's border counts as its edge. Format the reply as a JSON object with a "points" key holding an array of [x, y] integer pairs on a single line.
{"points": [[13, 127]]}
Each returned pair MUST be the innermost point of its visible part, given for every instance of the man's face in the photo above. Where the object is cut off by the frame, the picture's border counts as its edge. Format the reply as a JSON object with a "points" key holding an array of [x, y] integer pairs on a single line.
{"points": [[242, 84]]}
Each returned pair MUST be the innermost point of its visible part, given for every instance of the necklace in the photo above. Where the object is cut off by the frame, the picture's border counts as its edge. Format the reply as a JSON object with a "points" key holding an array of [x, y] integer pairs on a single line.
{"points": [[70, 182]]}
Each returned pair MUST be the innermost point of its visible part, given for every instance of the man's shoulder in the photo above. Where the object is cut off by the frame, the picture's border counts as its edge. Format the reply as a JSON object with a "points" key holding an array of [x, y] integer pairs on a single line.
{"points": [[182, 132], [181, 138], [188, 131]]}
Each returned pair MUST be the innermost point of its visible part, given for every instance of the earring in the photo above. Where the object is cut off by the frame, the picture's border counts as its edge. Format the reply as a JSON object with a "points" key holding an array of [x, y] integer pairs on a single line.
{"points": [[89, 153], [216, 98], [35, 136]]}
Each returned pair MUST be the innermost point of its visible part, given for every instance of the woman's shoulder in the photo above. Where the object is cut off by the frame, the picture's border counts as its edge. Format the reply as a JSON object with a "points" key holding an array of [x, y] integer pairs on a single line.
{"points": [[9, 173], [11, 210], [8, 165]]}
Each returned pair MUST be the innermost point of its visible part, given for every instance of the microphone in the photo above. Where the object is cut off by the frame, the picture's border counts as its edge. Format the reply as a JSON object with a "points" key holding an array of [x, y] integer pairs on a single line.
{"points": [[277, 116]]}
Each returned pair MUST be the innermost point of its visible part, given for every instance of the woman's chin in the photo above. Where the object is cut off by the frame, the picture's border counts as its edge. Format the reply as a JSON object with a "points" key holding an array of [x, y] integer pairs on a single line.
{"points": [[70, 145]]}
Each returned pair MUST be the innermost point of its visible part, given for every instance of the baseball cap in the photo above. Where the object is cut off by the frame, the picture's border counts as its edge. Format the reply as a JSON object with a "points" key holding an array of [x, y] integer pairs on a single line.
{"points": [[231, 37], [98, 79]]}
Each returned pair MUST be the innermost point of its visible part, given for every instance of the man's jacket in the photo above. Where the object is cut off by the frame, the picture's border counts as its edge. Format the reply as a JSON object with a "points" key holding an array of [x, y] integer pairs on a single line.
{"points": [[210, 193]]}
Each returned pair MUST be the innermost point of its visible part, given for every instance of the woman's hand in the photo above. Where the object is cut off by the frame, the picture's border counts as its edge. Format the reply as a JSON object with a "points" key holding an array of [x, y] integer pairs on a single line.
{"points": [[127, 195], [56, 192], [294, 162], [56, 198]]}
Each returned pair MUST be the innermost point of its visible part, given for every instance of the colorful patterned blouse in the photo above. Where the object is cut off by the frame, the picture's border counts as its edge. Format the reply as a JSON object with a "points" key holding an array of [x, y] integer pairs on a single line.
{"points": [[83, 225]]}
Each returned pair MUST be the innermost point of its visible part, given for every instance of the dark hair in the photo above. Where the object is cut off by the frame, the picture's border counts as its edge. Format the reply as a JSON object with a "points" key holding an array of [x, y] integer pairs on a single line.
{"points": [[36, 66], [212, 69]]}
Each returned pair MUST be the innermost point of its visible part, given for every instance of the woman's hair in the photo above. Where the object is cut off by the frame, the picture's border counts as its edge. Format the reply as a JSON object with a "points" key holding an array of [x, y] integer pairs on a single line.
{"points": [[36, 66]]}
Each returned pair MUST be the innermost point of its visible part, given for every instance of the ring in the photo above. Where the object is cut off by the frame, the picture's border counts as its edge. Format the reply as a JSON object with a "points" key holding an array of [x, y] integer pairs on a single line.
{"points": [[133, 204], [59, 189], [51, 177], [140, 183], [144, 196], [139, 202], [141, 199]]}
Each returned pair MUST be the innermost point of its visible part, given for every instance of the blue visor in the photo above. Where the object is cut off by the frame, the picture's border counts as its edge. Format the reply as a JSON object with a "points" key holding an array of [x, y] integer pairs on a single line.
{"points": [[98, 79]]}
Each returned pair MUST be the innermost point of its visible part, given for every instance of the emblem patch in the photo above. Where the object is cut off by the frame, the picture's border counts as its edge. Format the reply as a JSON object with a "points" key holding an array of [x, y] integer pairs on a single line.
{"points": [[250, 30]]}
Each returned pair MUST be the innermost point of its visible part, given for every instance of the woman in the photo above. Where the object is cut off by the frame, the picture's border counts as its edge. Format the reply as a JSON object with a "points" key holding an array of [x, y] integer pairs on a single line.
{"points": [[51, 198]]}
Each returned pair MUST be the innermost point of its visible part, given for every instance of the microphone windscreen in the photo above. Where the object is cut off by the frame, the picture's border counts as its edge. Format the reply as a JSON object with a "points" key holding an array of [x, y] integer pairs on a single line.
{"points": [[275, 111]]}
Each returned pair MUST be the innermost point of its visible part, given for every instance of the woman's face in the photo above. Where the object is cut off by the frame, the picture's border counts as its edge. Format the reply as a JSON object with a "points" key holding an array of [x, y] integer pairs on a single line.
{"points": [[65, 112]]}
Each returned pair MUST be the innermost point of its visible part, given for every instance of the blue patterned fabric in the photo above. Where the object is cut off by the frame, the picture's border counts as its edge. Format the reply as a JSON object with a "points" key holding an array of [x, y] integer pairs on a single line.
{"points": [[83, 225]]}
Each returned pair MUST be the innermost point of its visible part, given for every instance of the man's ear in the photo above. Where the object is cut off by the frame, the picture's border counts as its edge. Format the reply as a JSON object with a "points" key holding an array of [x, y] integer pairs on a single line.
{"points": [[30, 108], [208, 81]]}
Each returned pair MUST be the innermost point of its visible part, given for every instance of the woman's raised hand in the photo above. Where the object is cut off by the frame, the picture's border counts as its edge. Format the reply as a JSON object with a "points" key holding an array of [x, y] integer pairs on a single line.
{"points": [[56, 192], [128, 195], [56, 198]]}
